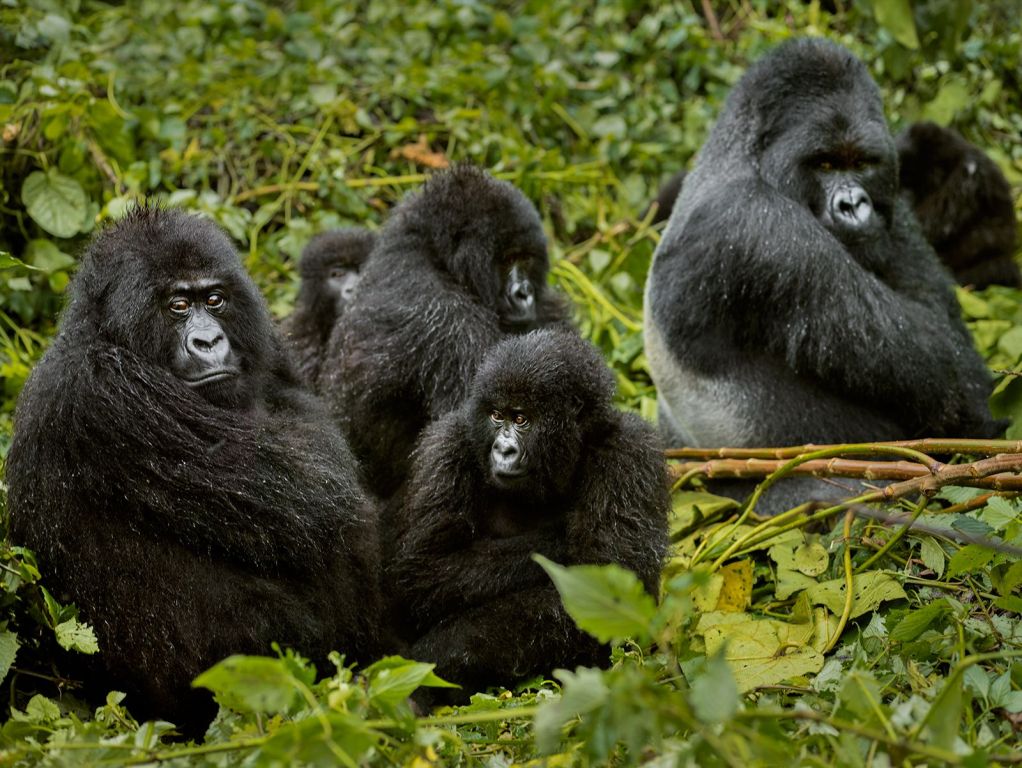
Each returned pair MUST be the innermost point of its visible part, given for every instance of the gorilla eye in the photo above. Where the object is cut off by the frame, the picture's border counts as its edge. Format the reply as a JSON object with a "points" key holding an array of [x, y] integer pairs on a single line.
{"points": [[216, 301], [521, 420], [179, 305], [336, 272], [496, 417], [825, 165]]}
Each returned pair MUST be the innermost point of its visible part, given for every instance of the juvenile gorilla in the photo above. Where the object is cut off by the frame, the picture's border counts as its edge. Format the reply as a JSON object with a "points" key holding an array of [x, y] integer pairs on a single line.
{"points": [[536, 460], [792, 298], [459, 266], [330, 273], [963, 203], [177, 483]]}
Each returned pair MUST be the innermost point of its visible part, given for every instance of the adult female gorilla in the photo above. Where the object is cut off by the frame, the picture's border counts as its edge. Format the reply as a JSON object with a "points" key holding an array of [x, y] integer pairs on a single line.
{"points": [[176, 482]]}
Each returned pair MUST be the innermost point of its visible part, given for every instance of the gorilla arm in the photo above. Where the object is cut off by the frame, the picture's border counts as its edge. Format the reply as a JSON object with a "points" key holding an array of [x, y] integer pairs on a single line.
{"points": [[170, 451], [778, 280], [620, 514]]}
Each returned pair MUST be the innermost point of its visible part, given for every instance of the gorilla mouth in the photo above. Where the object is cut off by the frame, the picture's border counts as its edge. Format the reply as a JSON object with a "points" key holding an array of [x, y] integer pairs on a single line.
{"points": [[211, 377], [508, 476]]}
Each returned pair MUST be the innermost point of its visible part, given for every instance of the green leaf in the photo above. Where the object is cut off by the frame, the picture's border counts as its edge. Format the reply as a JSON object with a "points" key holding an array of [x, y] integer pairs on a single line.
{"points": [[9, 262], [8, 650], [330, 738], [250, 684], [998, 513], [869, 590], [971, 526], [896, 17], [607, 601], [393, 679], [73, 635], [932, 556], [714, 691], [581, 692], [47, 257], [969, 559], [56, 202], [916, 622]]}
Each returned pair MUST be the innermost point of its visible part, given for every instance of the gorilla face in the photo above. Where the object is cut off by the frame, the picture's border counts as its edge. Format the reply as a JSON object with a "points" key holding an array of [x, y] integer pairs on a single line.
{"points": [[341, 283], [509, 454], [517, 304], [203, 357], [840, 166]]}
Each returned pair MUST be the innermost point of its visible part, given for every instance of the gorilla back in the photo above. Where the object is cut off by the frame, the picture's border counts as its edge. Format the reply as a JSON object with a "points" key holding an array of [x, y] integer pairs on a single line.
{"points": [[176, 482], [792, 298]]}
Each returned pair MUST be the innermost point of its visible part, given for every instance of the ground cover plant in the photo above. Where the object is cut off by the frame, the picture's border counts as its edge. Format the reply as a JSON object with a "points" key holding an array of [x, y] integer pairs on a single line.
{"points": [[836, 637]]}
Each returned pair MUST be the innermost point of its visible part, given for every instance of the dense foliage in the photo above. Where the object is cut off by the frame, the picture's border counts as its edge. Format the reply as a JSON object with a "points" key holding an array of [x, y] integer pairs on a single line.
{"points": [[282, 120]]}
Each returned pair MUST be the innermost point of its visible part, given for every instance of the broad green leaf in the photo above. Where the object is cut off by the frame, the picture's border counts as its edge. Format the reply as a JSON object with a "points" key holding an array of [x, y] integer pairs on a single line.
{"points": [[333, 738], [393, 679], [969, 559], [73, 635], [932, 556], [971, 526], [896, 17], [918, 621], [944, 718], [10, 262], [8, 650], [797, 564], [581, 692], [714, 691], [607, 601], [869, 589], [998, 513], [250, 684], [46, 256], [764, 651], [57, 203]]}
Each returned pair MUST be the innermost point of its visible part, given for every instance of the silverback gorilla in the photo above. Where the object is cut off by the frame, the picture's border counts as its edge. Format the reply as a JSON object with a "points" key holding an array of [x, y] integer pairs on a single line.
{"points": [[963, 203], [459, 266], [792, 298], [330, 273], [536, 460], [176, 482]]}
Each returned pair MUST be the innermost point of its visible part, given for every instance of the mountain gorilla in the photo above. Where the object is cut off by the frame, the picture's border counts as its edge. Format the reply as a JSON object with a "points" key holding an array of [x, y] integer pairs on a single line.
{"points": [[459, 266], [665, 197], [792, 298], [330, 273], [963, 203], [536, 460], [175, 480]]}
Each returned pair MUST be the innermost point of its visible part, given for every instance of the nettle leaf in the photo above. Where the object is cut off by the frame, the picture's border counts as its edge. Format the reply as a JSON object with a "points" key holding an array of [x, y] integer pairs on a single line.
{"points": [[607, 601], [918, 621], [869, 589], [581, 692], [998, 513], [932, 556], [333, 738], [8, 650], [393, 679], [256, 684], [714, 691], [969, 559], [74, 635], [971, 526], [56, 202]]}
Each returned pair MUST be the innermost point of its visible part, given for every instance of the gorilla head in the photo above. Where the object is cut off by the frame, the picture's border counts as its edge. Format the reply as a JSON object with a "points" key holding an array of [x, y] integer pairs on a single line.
{"points": [[486, 235], [536, 398], [330, 273], [171, 289]]}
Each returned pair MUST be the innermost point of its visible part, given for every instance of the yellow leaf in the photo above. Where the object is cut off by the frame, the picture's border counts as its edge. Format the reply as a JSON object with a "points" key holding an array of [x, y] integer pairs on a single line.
{"points": [[736, 591]]}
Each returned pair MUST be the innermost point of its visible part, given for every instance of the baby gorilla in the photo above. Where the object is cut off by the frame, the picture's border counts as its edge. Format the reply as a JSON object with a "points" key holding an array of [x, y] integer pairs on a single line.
{"points": [[175, 480], [963, 203], [459, 266], [330, 273], [536, 460]]}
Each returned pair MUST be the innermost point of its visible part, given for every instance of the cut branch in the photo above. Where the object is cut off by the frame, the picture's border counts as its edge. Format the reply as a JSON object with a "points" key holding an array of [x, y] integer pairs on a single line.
{"points": [[926, 445]]}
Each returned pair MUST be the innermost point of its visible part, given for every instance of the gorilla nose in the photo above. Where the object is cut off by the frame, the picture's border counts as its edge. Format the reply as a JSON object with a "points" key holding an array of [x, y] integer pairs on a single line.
{"points": [[523, 292], [851, 207], [210, 347]]}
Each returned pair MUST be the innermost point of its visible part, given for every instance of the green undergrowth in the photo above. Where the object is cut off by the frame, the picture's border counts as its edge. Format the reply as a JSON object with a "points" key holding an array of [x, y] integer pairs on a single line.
{"points": [[283, 120]]}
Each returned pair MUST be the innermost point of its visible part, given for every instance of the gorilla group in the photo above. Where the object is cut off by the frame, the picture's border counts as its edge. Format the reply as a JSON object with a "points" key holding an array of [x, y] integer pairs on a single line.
{"points": [[458, 266], [177, 483], [792, 298], [536, 459], [330, 273]]}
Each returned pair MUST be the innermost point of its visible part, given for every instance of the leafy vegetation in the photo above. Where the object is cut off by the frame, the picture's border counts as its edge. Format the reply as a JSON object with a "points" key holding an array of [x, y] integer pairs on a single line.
{"points": [[283, 121]]}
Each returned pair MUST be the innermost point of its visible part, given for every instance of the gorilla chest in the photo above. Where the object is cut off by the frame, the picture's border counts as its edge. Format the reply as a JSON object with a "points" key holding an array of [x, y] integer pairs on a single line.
{"points": [[505, 519]]}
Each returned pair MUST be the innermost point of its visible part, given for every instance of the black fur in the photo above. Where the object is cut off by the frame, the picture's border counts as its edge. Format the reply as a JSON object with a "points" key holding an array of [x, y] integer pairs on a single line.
{"points": [[596, 492], [185, 531], [963, 203], [307, 330], [765, 325], [427, 309]]}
